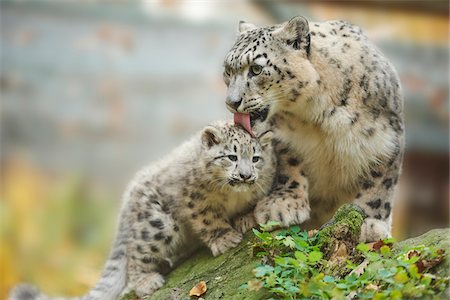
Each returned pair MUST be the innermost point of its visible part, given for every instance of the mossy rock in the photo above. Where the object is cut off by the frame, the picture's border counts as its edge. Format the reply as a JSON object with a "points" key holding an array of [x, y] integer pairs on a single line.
{"points": [[226, 273], [223, 275]]}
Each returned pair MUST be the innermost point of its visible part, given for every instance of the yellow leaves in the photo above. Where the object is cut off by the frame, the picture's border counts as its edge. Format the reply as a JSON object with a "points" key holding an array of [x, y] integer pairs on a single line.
{"points": [[198, 290]]}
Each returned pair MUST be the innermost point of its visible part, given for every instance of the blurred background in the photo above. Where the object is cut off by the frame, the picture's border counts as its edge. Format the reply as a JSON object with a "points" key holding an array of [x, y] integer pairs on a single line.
{"points": [[92, 91]]}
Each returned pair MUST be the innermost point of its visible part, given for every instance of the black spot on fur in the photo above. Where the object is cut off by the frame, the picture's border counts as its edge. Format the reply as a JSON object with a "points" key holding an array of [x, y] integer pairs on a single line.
{"points": [[154, 248], [157, 223], [387, 207], [374, 204], [168, 240], [294, 185], [293, 161], [367, 184], [147, 260], [387, 183], [197, 196], [375, 174], [282, 179], [145, 235], [159, 236]]}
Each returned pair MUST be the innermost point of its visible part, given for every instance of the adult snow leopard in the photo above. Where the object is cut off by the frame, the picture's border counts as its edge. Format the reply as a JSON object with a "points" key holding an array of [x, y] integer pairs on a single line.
{"points": [[336, 104]]}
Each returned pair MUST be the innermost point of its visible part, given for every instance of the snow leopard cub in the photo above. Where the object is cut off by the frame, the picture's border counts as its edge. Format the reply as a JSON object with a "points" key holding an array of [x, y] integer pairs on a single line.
{"points": [[204, 191]]}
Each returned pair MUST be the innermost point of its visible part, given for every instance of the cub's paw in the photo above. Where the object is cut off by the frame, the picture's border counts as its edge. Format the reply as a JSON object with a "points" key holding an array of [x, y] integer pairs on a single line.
{"points": [[285, 211], [244, 223], [225, 242], [148, 284], [374, 230]]}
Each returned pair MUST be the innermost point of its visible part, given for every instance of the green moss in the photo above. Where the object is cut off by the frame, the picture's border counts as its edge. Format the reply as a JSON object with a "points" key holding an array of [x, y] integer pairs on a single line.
{"points": [[345, 226], [223, 275]]}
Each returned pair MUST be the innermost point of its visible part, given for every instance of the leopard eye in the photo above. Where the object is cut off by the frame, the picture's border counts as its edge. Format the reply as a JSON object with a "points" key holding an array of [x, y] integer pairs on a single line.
{"points": [[232, 157], [255, 70], [256, 159]]}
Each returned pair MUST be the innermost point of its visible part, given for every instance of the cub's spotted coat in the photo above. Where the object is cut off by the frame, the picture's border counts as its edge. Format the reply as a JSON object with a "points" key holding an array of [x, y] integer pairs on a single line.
{"points": [[335, 102], [204, 191]]}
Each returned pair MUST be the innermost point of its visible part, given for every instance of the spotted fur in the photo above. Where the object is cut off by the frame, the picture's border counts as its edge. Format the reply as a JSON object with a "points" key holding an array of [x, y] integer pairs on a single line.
{"points": [[202, 193], [335, 103]]}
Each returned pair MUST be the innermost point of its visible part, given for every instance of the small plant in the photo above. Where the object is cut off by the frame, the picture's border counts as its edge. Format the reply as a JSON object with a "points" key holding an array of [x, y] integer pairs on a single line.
{"points": [[293, 267]]}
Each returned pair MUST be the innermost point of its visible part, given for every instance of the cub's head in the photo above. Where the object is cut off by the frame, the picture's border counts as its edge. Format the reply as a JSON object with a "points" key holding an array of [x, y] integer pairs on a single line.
{"points": [[235, 160], [268, 69]]}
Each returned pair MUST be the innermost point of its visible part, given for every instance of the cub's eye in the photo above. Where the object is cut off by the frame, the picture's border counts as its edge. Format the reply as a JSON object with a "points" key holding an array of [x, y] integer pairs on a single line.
{"points": [[256, 158], [255, 70], [232, 157]]}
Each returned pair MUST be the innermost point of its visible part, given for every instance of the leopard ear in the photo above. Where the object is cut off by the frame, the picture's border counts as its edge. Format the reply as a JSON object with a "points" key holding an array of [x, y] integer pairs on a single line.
{"points": [[295, 33], [265, 138], [243, 26], [211, 136]]}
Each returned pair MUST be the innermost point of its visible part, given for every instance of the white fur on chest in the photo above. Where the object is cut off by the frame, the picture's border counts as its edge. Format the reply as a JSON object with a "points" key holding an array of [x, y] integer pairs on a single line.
{"points": [[234, 203], [337, 155]]}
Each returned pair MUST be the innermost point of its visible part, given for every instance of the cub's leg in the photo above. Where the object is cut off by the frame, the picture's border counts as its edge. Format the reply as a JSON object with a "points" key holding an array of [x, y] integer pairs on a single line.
{"points": [[288, 201], [244, 222], [154, 241], [211, 226], [376, 197]]}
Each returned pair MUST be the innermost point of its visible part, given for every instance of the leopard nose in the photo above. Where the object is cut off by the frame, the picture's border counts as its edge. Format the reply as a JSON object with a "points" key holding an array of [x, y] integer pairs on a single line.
{"points": [[245, 176], [234, 103]]}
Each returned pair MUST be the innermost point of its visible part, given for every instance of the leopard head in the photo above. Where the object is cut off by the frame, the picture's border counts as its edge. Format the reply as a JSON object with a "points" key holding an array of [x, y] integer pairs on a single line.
{"points": [[235, 160], [268, 69]]}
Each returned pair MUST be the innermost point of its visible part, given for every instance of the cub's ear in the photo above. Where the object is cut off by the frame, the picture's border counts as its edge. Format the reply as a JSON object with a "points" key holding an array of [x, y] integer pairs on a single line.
{"points": [[295, 33], [211, 136], [243, 26], [265, 139]]}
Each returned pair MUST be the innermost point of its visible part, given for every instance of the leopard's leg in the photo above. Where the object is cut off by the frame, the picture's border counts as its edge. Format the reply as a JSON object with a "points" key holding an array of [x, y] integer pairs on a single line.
{"points": [[376, 197], [244, 222], [210, 225], [288, 201]]}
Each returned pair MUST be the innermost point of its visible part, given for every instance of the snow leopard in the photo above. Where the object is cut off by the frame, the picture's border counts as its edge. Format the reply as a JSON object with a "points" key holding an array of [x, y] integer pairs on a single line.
{"points": [[204, 192]]}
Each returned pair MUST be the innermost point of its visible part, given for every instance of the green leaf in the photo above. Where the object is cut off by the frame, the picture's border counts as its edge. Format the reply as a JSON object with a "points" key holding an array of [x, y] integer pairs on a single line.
{"points": [[328, 278], [401, 277], [270, 225], [289, 242], [385, 251], [413, 271], [396, 294], [295, 229], [362, 247], [315, 256], [300, 256]]}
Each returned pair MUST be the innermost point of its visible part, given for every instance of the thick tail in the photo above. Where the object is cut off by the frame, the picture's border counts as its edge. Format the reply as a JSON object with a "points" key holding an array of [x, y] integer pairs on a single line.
{"points": [[109, 287]]}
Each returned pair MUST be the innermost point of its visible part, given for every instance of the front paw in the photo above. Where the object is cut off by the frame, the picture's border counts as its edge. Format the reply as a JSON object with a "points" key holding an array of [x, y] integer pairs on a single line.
{"points": [[225, 242], [244, 223], [374, 230], [285, 211]]}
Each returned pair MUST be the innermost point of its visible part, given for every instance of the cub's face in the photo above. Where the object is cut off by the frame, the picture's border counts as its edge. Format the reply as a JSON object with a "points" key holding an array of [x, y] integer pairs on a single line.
{"points": [[235, 160], [268, 68]]}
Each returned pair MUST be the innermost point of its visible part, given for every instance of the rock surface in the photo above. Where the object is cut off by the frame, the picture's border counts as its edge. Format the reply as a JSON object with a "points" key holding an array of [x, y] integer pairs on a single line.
{"points": [[225, 274]]}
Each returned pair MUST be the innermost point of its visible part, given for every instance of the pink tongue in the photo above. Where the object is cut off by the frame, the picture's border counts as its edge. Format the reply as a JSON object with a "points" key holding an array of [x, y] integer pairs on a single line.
{"points": [[244, 121]]}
